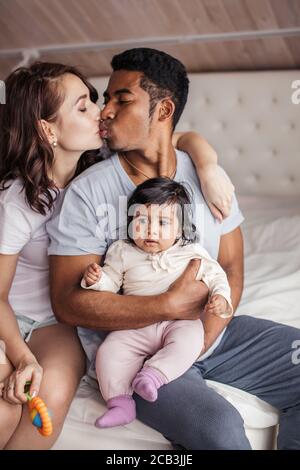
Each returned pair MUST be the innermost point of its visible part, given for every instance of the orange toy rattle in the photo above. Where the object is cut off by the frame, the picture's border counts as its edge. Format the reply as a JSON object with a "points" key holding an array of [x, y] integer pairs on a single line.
{"points": [[39, 414]]}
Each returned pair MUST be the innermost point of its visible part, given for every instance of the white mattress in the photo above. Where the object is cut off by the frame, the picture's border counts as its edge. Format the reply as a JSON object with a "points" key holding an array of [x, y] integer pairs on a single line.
{"points": [[272, 280]]}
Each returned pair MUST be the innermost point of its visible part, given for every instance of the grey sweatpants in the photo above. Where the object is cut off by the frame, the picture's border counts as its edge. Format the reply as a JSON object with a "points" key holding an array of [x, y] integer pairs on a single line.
{"points": [[254, 355]]}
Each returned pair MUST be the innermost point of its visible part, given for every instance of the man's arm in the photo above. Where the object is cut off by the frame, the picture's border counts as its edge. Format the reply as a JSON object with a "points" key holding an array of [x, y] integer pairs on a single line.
{"points": [[108, 311], [231, 258]]}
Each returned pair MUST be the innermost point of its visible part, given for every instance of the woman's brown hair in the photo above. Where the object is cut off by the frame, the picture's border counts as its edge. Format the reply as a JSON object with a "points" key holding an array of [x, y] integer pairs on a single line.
{"points": [[34, 93]]}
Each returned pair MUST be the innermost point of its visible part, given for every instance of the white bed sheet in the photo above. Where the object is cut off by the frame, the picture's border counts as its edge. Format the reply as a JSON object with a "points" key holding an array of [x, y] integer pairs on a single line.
{"points": [[272, 259], [272, 291]]}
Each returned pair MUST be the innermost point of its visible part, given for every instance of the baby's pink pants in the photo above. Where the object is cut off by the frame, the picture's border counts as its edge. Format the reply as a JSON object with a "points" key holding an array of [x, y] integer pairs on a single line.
{"points": [[171, 347]]}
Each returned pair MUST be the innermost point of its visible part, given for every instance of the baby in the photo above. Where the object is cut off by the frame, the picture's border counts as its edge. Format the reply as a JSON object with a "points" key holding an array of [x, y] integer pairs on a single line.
{"points": [[160, 244]]}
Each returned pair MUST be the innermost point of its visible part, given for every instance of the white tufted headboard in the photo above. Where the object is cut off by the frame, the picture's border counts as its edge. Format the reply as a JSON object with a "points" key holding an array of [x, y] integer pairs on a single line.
{"points": [[250, 120]]}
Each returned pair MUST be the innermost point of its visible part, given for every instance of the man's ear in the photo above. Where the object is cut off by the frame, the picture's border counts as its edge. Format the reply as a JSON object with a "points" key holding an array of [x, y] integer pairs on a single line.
{"points": [[166, 109], [47, 131]]}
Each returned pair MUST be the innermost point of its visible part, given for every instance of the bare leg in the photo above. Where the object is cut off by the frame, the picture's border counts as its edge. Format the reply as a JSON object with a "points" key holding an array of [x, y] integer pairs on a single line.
{"points": [[9, 414], [59, 352]]}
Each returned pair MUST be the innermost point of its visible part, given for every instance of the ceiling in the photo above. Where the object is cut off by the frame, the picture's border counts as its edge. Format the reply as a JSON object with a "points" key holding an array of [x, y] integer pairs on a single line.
{"points": [[26, 24]]}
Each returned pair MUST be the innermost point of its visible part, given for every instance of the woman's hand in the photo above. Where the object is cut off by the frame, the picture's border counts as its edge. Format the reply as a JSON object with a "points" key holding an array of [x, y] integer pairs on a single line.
{"points": [[216, 187], [12, 388], [217, 190]]}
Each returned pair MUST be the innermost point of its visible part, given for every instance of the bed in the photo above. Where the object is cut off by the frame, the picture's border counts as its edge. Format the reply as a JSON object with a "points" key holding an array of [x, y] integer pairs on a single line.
{"points": [[250, 119]]}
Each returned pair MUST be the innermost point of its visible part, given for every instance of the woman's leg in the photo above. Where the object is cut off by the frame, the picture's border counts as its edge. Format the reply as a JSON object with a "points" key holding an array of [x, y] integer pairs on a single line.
{"points": [[9, 414], [59, 352]]}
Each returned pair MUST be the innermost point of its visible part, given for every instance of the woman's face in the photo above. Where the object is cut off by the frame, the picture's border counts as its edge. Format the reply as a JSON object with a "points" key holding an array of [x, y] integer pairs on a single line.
{"points": [[77, 126]]}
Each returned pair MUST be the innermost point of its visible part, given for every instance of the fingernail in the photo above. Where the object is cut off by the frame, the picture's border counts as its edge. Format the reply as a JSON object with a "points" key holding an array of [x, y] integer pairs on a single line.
{"points": [[34, 394]]}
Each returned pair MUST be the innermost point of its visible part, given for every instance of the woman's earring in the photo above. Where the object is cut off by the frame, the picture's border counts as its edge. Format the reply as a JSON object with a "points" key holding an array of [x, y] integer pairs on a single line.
{"points": [[54, 143]]}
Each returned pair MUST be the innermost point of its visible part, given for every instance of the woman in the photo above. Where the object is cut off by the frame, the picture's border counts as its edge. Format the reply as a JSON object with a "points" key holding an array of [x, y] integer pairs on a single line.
{"points": [[49, 134]]}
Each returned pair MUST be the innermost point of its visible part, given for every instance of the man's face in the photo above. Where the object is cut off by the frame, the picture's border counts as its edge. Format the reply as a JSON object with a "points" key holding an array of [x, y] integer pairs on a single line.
{"points": [[126, 121]]}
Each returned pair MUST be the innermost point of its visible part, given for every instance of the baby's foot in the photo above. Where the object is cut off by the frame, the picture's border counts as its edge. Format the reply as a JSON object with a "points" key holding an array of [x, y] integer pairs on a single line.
{"points": [[147, 382], [121, 410]]}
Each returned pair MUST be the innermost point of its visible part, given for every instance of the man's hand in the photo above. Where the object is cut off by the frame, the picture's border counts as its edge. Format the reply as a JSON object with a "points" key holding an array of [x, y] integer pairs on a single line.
{"points": [[108, 311], [186, 296]]}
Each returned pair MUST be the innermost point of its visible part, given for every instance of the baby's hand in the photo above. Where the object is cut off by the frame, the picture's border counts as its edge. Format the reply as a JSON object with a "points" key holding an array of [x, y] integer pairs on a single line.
{"points": [[217, 305], [92, 274]]}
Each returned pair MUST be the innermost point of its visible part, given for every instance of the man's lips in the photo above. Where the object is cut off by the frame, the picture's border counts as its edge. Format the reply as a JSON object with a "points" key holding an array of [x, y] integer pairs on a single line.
{"points": [[103, 131]]}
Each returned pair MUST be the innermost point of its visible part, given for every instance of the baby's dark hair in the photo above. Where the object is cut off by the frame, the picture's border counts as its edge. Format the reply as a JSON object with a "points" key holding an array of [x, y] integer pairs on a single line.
{"points": [[164, 191]]}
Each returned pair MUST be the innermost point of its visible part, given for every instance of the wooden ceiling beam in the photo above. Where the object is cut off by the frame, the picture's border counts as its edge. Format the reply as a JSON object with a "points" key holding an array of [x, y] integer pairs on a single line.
{"points": [[161, 40]]}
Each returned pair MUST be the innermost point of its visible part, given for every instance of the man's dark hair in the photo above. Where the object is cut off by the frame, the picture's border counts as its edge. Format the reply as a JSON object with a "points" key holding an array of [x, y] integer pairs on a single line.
{"points": [[164, 191], [163, 76]]}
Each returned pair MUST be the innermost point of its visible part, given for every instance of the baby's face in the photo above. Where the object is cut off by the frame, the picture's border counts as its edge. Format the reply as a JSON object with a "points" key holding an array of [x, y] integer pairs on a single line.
{"points": [[154, 228]]}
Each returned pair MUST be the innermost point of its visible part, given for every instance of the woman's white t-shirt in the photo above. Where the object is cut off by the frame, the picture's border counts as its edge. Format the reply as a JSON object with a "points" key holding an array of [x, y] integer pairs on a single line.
{"points": [[23, 231]]}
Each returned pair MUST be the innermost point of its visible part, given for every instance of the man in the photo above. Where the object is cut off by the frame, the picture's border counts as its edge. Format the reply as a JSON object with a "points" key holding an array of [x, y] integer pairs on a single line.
{"points": [[145, 97]]}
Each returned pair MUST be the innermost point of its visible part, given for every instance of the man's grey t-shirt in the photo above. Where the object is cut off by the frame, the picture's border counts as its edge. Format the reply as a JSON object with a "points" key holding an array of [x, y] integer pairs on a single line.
{"points": [[93, 212]]}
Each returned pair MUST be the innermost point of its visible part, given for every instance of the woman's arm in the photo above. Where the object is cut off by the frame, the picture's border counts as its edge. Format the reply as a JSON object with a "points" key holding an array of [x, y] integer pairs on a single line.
{"points": [[16, 349], [216, 187], [192, 143]]}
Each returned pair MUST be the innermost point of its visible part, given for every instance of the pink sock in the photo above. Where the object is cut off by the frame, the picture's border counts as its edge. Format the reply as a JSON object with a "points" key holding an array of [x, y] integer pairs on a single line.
{"points": [[147, 382], [121, 410]]}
